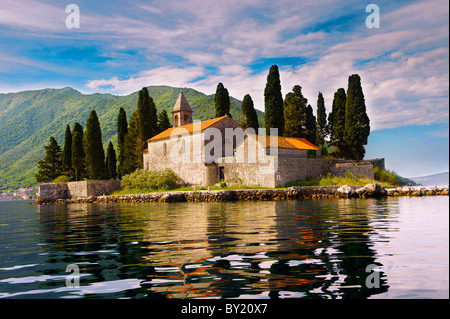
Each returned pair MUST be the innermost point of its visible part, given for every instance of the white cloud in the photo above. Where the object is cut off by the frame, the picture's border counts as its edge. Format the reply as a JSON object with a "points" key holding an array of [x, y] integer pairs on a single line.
{"points": [[160, 76], [32, 15], [403, 65]]}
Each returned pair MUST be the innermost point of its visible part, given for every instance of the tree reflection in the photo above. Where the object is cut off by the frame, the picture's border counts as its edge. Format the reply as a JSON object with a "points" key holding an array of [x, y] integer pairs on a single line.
{"points": [[266, 249]]}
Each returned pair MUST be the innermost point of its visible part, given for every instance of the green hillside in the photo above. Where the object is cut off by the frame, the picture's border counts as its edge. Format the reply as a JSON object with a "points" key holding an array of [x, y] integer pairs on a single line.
{"points": [[29, 118]]}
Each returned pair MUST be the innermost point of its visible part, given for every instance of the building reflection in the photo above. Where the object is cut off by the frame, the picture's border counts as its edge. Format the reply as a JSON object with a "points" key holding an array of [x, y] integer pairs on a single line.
{"points": [[307, 249]]}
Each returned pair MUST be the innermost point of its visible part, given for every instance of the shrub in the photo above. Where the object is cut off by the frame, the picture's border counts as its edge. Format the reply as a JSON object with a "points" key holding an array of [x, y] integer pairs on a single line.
{"points": [[383, 175], [62, 179], [143, 179]]}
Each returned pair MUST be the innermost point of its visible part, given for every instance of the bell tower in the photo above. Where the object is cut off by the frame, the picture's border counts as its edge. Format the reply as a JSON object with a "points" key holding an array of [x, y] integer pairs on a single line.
{"points": [[182, 113]]}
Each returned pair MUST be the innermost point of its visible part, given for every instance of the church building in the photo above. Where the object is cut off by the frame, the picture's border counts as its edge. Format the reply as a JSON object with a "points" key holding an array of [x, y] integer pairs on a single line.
{"points": [[220, 149]]}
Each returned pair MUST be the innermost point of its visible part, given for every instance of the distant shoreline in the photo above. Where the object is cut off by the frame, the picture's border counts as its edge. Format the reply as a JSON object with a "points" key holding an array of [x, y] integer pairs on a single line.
{"points": [[291, 193]]}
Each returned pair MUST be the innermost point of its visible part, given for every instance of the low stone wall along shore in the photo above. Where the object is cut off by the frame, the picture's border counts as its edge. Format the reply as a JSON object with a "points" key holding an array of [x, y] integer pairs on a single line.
{"points": [[296, 192]]}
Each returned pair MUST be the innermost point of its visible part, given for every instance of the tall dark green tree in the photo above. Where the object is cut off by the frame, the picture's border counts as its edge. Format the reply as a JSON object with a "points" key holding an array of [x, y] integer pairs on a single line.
{"points": [[93, 148], [146, 109], [336, 123], [78, 156], [50, 167], [163, 121], [295, 113], [249, 112], [132, 146], [122, 129], [222, 101], [357, 123], [273, 102], [322, 126], [111, 161], [311, 125], [67, 152]]}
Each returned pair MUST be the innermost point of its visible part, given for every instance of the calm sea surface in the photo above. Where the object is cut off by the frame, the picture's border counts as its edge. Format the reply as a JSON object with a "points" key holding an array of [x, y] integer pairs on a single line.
{"points": [[364, 248]]}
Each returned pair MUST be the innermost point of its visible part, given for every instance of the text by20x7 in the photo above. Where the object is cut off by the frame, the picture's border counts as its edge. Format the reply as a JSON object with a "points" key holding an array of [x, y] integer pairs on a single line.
{"points": [[241, 308]]}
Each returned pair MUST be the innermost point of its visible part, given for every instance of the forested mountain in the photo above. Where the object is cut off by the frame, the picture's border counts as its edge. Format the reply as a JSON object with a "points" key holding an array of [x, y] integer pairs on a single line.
{"points": [[29, 118]]}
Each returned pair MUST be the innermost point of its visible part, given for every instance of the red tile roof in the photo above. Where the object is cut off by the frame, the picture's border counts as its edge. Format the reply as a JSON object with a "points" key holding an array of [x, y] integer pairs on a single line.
{"points": [[189, 128], [291, 143]]}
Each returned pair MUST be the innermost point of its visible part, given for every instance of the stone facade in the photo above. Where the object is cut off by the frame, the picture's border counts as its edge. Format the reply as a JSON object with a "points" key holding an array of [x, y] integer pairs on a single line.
{"points": [[84, 189], [183, 151], [266, 168]]}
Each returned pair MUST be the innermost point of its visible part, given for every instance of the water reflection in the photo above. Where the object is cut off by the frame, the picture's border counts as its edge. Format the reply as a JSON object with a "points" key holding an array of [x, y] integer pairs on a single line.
{"points": [[311, 249]]}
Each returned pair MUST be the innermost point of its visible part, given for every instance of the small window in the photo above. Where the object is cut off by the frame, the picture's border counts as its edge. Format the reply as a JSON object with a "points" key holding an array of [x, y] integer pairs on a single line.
{"points": [[164, 149], [278, 176]]}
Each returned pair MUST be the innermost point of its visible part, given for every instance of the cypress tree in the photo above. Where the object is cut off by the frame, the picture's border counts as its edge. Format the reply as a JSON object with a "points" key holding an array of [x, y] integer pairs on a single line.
{"points": [[311, 124], [93, 148], [146, 109], [78, 156], [273, 102], [67, 152], [222, 101], [132, 149], [322, 127], [295, 113], [336, 122], [250, 116], [111, 162], [163, 121], [357, 124], [50, 167], [153, 120], [122, 129]]}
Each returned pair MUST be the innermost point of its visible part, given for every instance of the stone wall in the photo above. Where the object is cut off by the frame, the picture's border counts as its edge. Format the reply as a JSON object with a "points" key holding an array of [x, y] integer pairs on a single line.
{"points": [[54, 191], [296, 169], [376, 162], [358, 169], [252, 166], [250, 174]]}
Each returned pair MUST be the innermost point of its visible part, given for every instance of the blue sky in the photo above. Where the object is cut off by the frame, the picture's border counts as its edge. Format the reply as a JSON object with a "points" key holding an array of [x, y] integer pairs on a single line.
{"points": [[122, 46]]}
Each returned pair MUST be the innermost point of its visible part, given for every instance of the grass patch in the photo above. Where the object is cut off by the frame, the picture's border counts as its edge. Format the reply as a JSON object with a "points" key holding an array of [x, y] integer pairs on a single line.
{"points": [[143, 181], [331, 180], [130, 191]]}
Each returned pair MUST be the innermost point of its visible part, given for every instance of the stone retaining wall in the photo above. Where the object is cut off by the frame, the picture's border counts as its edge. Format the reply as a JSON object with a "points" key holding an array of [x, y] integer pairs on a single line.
{"points": [[358, 169], [310, 192], [55, 191]]}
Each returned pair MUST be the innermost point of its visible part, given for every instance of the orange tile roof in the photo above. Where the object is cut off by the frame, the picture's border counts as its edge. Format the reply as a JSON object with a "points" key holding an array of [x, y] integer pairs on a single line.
{"points": [[292, 143], [188, 128]]}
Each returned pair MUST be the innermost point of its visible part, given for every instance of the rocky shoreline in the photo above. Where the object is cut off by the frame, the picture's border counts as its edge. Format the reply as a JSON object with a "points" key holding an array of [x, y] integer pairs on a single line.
{"points": [[307, 192]]}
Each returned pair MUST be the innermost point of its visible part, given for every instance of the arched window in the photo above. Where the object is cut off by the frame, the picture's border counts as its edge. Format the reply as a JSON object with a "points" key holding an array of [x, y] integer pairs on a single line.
{"points": [[175, 120], [165, 149]]}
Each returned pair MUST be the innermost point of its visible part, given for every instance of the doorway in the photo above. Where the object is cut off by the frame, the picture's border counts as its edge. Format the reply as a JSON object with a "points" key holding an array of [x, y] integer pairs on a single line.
{"points": [[221, 173]]}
